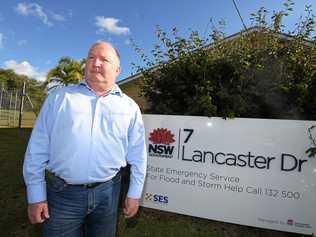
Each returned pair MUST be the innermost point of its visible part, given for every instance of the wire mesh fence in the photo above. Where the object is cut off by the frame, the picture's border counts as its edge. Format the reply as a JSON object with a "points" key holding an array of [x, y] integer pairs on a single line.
{"points": [[16, 108]]}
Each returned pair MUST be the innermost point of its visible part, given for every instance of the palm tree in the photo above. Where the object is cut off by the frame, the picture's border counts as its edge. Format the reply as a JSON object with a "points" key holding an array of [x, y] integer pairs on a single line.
{"points": [[68, 71]]}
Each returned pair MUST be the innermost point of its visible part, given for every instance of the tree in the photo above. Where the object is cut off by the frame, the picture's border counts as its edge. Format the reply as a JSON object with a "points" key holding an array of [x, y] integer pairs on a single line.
{"points": [[11, 80], [264, 72], [67, 71], [14, 82]]}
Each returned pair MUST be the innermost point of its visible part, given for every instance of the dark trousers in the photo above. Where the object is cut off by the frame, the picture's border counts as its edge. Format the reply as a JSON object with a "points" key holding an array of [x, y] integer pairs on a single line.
{"points": [[71, 207]]}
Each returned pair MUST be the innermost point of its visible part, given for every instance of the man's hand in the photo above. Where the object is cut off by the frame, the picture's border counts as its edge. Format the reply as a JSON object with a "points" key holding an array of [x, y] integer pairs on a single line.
{"points": [[38, 212], [130, 207]]}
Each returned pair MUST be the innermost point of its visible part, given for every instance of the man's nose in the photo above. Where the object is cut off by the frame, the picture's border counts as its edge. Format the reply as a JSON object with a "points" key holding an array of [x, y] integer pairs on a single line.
{"points": [[97, 62]]}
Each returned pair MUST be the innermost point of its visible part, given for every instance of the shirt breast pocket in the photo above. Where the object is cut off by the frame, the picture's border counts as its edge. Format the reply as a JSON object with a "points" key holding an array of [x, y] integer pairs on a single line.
{"points": [[119, 124]]}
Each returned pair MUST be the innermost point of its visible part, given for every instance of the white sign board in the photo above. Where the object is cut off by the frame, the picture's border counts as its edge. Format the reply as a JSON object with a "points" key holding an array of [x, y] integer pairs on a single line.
{"points": [[246, 171]]}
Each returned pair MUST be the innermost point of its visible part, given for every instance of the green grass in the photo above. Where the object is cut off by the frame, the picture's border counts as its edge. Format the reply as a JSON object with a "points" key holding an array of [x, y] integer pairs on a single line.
{"points": [[13, 217], [148, 222]]}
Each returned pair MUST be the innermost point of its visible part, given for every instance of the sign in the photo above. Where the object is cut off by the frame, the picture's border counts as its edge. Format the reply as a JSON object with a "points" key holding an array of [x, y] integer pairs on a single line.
{"points": [[251, 172]]}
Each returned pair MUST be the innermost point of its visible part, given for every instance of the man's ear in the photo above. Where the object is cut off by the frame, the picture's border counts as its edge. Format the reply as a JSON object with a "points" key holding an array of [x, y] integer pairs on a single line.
{"points": [[118, 70]]}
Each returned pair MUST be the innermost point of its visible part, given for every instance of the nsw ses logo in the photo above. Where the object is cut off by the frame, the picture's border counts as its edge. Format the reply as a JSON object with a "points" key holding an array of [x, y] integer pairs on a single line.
{"points": [[156, 198], [160, 143]]}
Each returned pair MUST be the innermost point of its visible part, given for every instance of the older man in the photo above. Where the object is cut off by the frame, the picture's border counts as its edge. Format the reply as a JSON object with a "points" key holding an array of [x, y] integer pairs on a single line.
{"points": [[83, 136]]}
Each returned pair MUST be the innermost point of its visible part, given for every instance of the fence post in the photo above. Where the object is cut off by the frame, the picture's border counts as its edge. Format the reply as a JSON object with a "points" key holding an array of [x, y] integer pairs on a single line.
{"points": [[1, 95], [15, 105], [10, 105], [21, 105]]}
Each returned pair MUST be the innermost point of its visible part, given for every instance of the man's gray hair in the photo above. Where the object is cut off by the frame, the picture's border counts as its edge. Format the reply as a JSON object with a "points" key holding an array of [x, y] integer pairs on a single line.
{"points": [[100, 42]]}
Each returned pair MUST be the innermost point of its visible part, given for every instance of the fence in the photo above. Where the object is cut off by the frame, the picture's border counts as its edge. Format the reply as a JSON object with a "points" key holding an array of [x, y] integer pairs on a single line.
{"points": [[16, 108]]}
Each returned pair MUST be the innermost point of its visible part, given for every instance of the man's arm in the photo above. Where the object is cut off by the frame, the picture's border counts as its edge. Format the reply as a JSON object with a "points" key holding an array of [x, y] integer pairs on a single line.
{"points": [[35, 161], [137, 158]]}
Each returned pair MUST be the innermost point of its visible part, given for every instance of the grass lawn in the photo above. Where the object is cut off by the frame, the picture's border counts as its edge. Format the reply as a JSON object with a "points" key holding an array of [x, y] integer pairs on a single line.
{"points": [[13, 217], [148, 223]]}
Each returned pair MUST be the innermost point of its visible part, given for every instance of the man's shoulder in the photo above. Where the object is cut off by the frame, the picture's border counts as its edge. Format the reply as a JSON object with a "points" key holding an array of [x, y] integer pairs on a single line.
{"points": [[129, 101], [61, 90]]}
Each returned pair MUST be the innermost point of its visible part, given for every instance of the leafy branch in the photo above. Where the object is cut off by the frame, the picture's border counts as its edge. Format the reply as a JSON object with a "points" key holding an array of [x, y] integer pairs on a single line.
{"points": [[312, 150]]}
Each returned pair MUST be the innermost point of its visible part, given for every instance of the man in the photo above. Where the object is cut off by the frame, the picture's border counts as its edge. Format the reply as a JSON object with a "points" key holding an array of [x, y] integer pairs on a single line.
{"points": [[83, 136]]}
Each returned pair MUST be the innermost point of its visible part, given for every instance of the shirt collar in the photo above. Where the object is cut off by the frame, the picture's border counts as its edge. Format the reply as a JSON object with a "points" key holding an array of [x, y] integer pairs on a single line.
{"points": [[115, 90]]}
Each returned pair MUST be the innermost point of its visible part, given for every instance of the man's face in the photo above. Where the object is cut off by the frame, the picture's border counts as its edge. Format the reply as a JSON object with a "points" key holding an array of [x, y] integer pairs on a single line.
{"points": [[102, 65]]}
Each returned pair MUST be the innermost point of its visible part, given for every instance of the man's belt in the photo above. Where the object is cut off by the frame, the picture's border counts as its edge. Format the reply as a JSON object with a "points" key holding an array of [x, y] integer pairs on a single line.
{"points": [[90, 185], [51, 176]]}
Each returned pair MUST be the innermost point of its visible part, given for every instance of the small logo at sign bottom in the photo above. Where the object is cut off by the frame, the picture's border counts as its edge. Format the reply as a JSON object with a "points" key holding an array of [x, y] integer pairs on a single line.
{"points": [[290, 222], [156, 198]]}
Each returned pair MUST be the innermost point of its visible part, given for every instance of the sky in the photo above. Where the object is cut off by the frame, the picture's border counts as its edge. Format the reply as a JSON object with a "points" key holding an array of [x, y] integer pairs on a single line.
{"points": [[34, 35]]}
